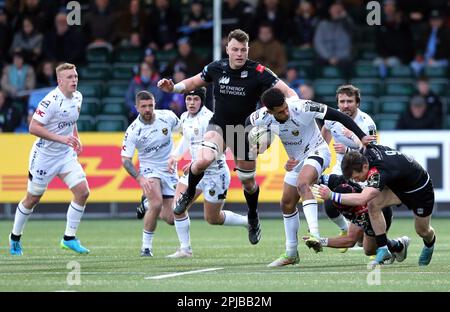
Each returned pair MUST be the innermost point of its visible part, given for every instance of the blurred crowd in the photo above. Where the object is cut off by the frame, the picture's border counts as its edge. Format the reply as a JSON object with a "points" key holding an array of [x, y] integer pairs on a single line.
{"points": [[175, 40]]}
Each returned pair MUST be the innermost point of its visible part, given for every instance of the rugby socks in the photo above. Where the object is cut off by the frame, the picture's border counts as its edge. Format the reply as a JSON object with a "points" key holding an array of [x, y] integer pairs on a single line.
{"points": [[182, 227], [310, 211], [291, 226], [252, 202], [147, 239], [20, 219], [381, 240], [74, 214], [193, 181], [231, 218], [430, 244], [341, 223]]}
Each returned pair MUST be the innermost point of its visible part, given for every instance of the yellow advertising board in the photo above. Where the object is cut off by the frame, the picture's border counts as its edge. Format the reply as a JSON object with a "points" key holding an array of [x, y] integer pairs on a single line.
{"points": [[109, 182]]}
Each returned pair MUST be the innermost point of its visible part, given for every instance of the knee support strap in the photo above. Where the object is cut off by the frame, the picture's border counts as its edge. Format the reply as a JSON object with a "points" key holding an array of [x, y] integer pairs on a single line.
{"points": [[244, 174]]}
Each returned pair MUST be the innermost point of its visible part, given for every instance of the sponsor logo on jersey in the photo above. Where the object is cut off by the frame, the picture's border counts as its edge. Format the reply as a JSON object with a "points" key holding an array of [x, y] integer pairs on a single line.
{"points": [[224, 80], [373, 178], [40, 113], [45, 104], [165, 131], [244, 74], [295, 132], [311, 106], [66, 124], [260, 68]]}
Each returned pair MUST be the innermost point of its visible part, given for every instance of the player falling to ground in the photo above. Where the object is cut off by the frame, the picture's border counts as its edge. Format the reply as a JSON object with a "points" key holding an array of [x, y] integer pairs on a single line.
{"points": [[55, 153], [348, 99], [360, 227], [215, 182], [151, 135], [238, 84], [392, 178], [294, 123]]}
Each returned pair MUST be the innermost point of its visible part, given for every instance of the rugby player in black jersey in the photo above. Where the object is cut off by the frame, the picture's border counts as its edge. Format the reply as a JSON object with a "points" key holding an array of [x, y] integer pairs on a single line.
{"points": [[238, 84], [392, 178], [360, 226]]}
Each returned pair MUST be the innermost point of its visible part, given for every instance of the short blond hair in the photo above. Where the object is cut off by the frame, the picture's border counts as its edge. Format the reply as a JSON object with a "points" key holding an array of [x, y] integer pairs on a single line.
{"points": [[64, 66]]}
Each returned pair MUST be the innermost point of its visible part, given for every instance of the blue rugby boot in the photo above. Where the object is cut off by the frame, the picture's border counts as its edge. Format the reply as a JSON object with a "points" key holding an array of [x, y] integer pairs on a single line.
{"points": [[15, 247], [74, 244], [425, 255], [382, 255]]}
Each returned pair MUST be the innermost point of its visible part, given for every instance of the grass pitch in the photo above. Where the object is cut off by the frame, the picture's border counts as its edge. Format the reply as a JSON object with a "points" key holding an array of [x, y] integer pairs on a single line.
{"points": [[114, 263]]}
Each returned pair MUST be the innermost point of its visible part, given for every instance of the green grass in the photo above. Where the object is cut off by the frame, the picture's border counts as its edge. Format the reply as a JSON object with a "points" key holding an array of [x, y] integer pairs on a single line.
{"points": [[115, 265]]}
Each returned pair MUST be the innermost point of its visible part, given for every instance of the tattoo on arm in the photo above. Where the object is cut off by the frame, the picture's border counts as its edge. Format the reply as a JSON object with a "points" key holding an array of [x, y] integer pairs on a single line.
{"points": [[128, 165]]}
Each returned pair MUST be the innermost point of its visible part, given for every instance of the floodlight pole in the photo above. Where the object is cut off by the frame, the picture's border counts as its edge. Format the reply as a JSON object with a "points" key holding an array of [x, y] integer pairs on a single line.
{"points": [[217, 40]]}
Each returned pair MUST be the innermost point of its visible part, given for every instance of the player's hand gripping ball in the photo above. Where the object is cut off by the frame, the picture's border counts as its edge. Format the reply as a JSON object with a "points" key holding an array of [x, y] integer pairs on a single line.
{"points": [[260, 137]]}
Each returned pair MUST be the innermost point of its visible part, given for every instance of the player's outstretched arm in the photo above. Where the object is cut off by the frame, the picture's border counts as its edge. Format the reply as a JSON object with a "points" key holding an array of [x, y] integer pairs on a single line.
{"points": [[183, 86], [288, 92]]}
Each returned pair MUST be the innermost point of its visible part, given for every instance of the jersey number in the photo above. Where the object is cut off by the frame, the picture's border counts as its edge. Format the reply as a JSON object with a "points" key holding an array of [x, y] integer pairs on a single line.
{"points": [[392, 153]]}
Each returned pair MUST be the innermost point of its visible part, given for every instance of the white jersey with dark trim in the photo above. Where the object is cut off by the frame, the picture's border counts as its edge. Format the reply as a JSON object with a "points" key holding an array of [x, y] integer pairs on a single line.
{"points": [[363, 120], [59, 115], [194, 127], [153, 141], [299, 134]]}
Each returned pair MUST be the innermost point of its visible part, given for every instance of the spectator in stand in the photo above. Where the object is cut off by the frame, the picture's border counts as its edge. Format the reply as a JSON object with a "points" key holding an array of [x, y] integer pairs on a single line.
{"points": [[150, 59], [5, 36], [293, 80], [100, 26], [270, 11], [433, 101], [164, 21], [17, 77], [303, 25], [394, 43], [28, 41], [187, 61], [145, 80], [434, 46], [131, 24], [307, 92], [268, 50], [197, 20], [418, 116], [59, 42], [333, 39], [40, 12], [10, 117], [236, 14], [176, 100], [46, 76]]}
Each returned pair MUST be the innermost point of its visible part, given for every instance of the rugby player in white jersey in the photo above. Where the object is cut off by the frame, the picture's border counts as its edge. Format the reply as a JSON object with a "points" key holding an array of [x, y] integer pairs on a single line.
{"points": [[151, 135], [54, 153], [309, 156], [215, 182], [348, 99]]}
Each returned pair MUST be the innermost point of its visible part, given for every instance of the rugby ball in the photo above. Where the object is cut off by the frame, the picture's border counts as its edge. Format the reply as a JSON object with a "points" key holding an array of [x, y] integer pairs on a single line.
{"points": [[261, 136]]}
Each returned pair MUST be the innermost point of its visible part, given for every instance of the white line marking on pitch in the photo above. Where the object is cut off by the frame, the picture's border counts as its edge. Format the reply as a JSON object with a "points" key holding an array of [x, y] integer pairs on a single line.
{"points": [[182, 273]]}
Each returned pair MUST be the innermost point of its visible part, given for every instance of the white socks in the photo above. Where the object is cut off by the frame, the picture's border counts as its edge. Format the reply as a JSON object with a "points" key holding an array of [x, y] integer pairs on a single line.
{"points": [[147, 239], [291, 226], [231, 218], [310, 211], [340, 222], [20, 219], [74, 214], [182, 227]]}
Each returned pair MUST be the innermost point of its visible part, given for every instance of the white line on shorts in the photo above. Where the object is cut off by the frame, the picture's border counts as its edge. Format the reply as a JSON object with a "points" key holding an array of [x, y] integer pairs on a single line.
{"points": [[182, 273]]}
